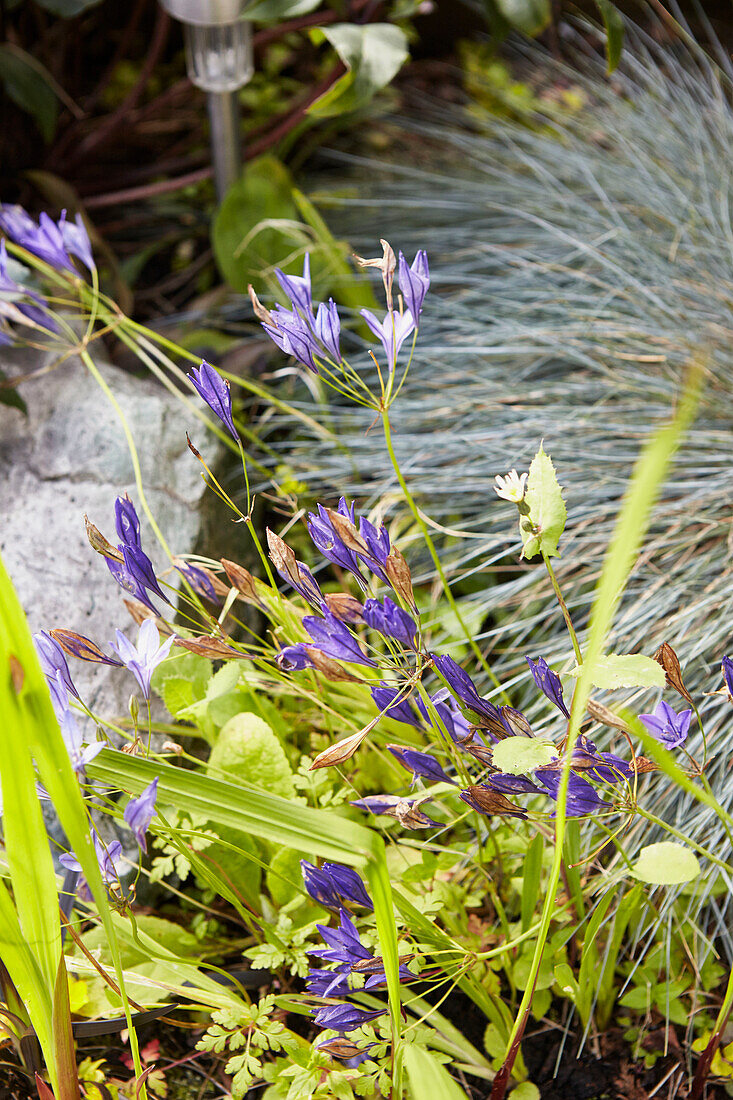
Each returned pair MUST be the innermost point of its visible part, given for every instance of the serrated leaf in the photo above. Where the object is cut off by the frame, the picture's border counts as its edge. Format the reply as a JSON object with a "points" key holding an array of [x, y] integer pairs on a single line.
{"points": [[666, 864], [177, 695], [542, 528], [520, 755], [624, 670]]}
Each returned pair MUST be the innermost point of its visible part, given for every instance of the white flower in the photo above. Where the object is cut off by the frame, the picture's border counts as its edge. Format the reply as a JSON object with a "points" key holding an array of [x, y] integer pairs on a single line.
{"points": [[512, 487]]}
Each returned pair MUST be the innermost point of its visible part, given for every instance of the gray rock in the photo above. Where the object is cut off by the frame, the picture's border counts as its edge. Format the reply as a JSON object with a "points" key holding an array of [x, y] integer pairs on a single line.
{"points": [[70, 457]]}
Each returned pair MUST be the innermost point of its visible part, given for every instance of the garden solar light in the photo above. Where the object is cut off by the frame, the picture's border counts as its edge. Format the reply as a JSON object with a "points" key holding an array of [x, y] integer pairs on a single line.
{"points": [[219, 60]]}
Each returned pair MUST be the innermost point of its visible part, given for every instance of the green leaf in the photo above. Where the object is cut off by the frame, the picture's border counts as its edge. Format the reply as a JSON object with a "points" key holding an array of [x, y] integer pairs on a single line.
{"points": [[30, 86], [247, 750], [270, 11], [373, 54], [566, 981], [666, 864], [428, 1078], [519, 755], [525, 1090], [528, 16], [531, 879], [614, 25], [177, 694], [542, 528], [10, 396], [623, 670]]}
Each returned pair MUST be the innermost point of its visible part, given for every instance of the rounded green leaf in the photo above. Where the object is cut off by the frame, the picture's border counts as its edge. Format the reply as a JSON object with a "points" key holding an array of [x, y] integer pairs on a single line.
{"points": [[248, 750], [666, 864], [519, 755]]}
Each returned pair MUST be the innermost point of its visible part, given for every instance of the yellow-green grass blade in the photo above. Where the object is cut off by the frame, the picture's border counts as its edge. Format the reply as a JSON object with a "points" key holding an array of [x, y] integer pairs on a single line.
{"points": [[26, 975], [269, 817], [428, 1078], [42, 737]]}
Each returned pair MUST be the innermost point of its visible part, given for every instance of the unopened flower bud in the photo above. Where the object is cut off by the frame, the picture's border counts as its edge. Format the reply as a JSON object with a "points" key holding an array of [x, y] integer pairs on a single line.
{"points": [[83, 648], [340, 752], [134, 708]]}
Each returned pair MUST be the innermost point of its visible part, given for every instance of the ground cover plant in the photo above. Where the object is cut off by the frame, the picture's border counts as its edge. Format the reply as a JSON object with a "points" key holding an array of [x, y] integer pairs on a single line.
{"points": [[334, 803]]}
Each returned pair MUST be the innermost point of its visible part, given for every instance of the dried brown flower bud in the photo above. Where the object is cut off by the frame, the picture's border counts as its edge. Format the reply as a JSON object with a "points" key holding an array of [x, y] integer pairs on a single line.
{"points": [[409, 814], [491, 802], [329, 668], [260, 312], [139, 613], [397, 572], [340, 752], [212, 648], [517, 722], [642, 765], [98, 542], [348, 533], [172, 746], [345, 606], [341, 1047], [387, 264], [282, 557], [78, 646], [667, 658], [602, 714], [242, 580]]}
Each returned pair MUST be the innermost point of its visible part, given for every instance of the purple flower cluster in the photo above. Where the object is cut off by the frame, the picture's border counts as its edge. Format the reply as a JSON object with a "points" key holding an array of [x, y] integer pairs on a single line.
{"points": [[61, 686], [375, 541], [138, 814], [53, 242], [135, 571], [214, 390], [333, 884], [14, 297]]}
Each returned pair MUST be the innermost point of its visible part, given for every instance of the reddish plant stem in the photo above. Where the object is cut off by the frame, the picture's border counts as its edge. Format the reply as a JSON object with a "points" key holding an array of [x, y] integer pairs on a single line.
{"points": [[499, 1087], [703, 1066]]}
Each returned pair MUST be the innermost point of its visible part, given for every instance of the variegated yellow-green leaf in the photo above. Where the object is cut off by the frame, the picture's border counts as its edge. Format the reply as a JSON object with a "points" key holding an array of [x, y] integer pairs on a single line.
{"points": [[542, 528], [519, 755], [615, 670]]}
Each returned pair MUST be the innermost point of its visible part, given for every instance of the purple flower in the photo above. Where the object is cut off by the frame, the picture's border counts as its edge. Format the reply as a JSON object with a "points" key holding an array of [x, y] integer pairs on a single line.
{"points": [[108, 858], [53, 661], [215, 392], [344, 945], [327, 328], [199, 580], [414, 282], [325, 539], [294, 658], [377, 539], [406, 810], [127, 522], [582, 797], [306, 584], [667, 725], [385, 697], [140, 568], [419, 763], [294, 336], [548, 682], [345, 1017], [15, 222], [319, 885], [511, 784], [329, 983], [335, 639], [391, 621], [464, 687], [455, 724], [37, 313], [392, 332], [140, 811], [143, 659], [82, 648], [348, 884], [129, 582], [298, 287], [727, 666], [76, 239]]}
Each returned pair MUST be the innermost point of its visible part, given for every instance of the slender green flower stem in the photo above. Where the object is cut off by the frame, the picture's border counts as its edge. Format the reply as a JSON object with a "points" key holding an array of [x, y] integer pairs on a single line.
{"points": [[564, 609], [434, 553], [684, 839]]}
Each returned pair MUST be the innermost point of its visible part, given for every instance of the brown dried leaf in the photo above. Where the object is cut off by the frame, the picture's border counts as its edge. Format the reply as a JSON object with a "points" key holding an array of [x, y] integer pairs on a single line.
{"points": [[668, 659], [260, 312], [329, 668], [242, 580]]}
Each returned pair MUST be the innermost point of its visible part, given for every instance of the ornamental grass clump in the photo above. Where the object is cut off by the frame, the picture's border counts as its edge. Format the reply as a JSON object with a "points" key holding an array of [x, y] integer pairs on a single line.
{"points": [[380, 816]]}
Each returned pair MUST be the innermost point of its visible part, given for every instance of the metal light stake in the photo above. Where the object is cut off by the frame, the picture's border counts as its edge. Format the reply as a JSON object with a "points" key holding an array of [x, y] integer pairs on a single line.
{"points": [[219, 60]]}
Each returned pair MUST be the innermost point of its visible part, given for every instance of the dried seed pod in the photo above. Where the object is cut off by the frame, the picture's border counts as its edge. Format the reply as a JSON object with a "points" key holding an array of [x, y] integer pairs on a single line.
{"points": [[242, 580], [83, 648], [98, 542], [488, 801], [668, 659], [212, 648], [347, 532], [340, 752], [329, 668], [642, 765], [602, 714], [345, 607], [397, 572]]}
